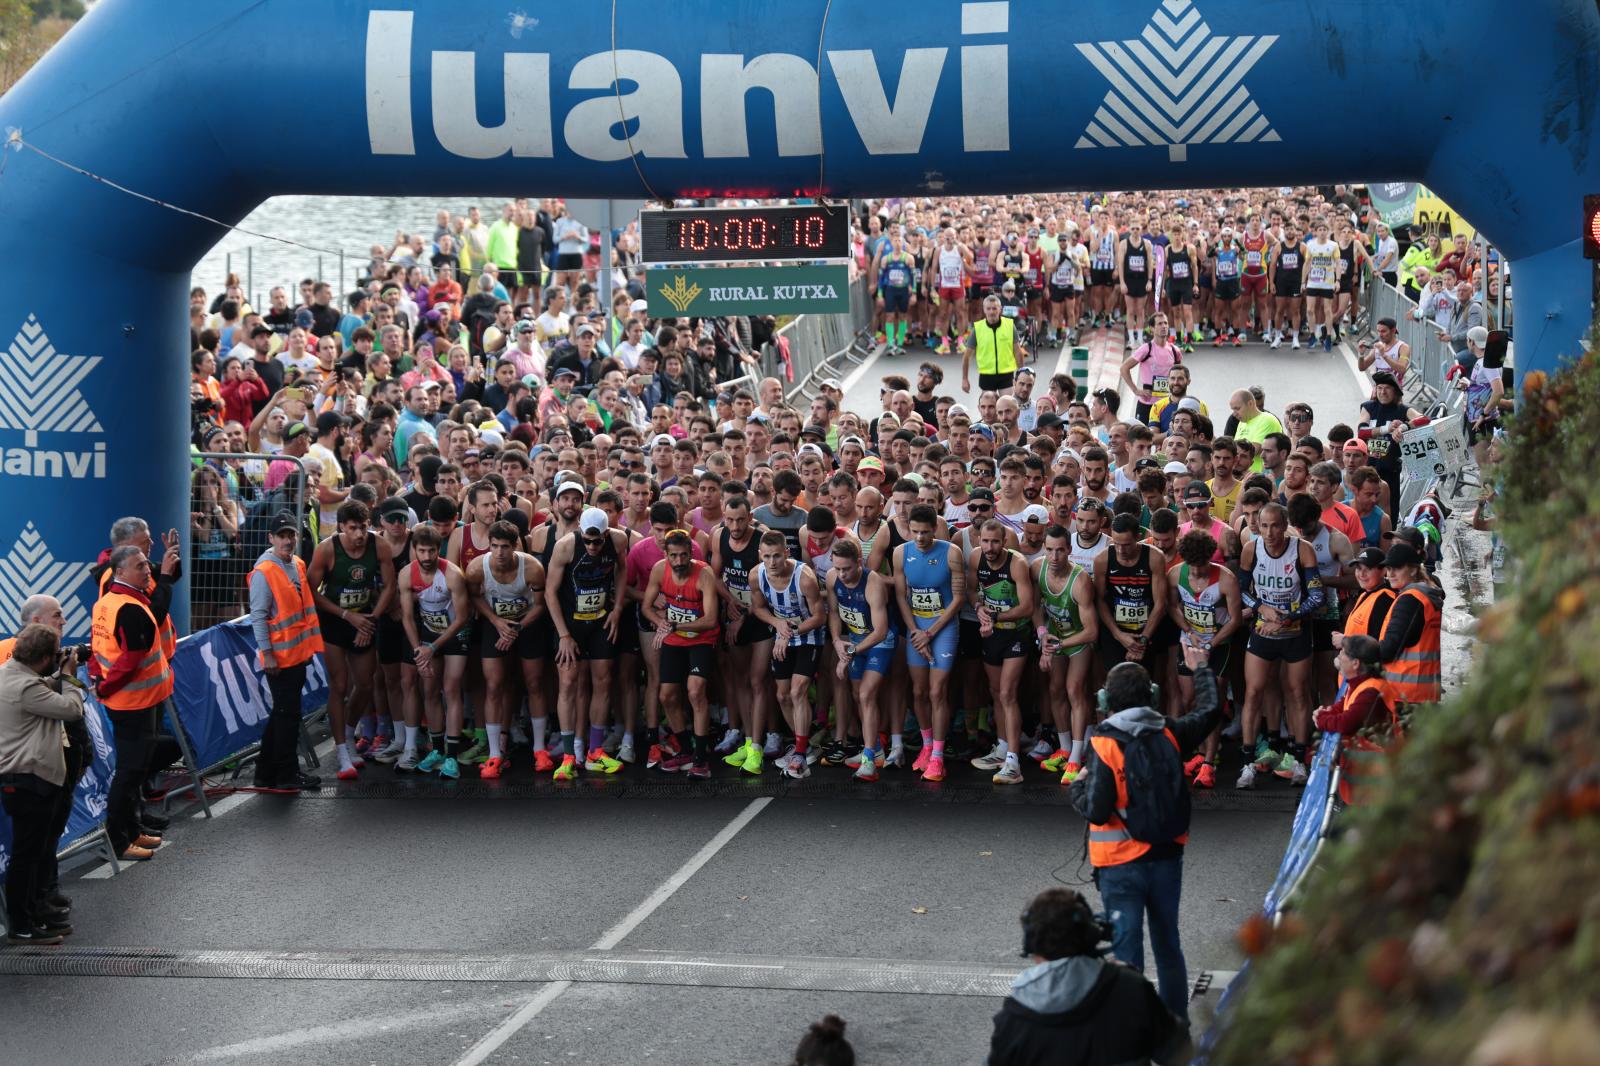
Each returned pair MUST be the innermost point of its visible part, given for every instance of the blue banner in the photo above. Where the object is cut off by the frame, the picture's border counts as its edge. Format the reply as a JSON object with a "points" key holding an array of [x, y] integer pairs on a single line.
{"points": [[220, 694], [1308, 821], [89, 800]]}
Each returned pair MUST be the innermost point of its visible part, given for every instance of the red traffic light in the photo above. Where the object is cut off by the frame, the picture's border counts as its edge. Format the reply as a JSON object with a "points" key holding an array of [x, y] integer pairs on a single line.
{"points": [[1591, 227]]}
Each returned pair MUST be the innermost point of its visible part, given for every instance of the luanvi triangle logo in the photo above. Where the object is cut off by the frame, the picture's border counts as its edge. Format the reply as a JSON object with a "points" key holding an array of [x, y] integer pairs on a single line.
{"points": [[30, 569], [39, 393], [1179, 84]]}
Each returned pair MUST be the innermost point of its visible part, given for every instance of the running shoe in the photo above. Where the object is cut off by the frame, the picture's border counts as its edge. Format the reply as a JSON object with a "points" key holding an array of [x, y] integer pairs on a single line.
{"points": [[1266, 759], [836, 753], [698, 771], [1217, 343], [866, 770], [1247, 777], [944, 347], [542, 762], [1040, 751], [1327, 343], [674, 763], [934, 771], [652, 758], [992, 761], [1192, 767], [895, 758], [1070, 774], [613, 740], [1288, 766], [389, 755], [755, 760], [626, 753], [773, 745], [519, 736], [923, 756], [1207, 777], [1189, 348], [782, 759], [1058, 759], [568, 768], [797, 768], [1295, 342], [599, 762], [491, 769], [813, 755], [357, 761], [450, 768], [1300, 774], [1008, 774], [1198, 335], [1238, 340], [347, 773], [855, 760], [736, 757], [1277, 341], [730, 740], [363, 745], [431, 763], [407, 763], [475, 754]]}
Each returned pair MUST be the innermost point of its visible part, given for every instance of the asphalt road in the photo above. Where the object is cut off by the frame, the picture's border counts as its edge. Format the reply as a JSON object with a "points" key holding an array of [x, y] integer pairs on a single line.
{"points": [[413, 926]]}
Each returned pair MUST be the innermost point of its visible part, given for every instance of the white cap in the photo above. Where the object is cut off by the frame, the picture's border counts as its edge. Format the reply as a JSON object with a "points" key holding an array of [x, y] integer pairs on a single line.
{"points": [[810, 449], [662, 438], [1189, 403], [638, 305], [570, 482], [1034, 513], [1175, 467], [832, 383], [593, 520]]}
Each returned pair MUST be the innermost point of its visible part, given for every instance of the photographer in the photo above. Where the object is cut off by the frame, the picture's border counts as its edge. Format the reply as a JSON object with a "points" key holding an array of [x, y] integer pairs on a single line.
{"points": [[37, 695], [1074, 1008]]}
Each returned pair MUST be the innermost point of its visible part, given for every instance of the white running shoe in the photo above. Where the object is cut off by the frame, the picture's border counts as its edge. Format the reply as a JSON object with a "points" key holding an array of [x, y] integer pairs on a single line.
{"points": [[896, 757], [730, 740], [797, 768], [1247, 777], [992, 761], [1277, 340], [391, 754], [1295, 344], [613, 742], [626, 754], [1041, 750], [408, 763], [773, 746], [1008, 774]]}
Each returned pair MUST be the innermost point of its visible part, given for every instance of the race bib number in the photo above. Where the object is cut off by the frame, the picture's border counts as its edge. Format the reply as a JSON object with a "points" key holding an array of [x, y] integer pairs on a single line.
{"points": [[510, 608], [1180, 269], [740, 594], [1226, 268], [949, 277], [1061, 622], [1202, 618], [1252, 259], [1317, 277], [853, 620], [1131, 616], [925, 603], [437, 621], [355, 599], [1136, 263], [1158, 385], [1379, 447], [589, 606], [680, 616], [1291, 260], [897, 277]]}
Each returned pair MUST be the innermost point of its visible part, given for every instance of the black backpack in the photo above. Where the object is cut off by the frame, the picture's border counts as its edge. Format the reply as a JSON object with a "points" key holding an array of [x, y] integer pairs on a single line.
{"points": [[1158, 790]]}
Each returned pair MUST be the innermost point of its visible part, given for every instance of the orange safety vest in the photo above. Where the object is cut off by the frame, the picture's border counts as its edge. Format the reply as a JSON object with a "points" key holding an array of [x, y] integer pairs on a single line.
{"points": [[169, 635], [6, 647], [1363, 762], [1111, 844], [1415, 674], [152, 681], [1359, 624], [293, 627]]}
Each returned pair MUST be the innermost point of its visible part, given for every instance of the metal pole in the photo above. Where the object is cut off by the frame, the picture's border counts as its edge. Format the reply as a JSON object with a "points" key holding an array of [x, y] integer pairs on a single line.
{"points": [[339, 292], [319, 268], [250, 269], [605, 267], [227, 268]]}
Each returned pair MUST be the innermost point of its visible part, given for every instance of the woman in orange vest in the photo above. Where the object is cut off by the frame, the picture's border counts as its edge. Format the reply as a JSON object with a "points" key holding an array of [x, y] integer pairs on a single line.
{"points": [[1370, 609], [283, 618], [1365, 700], [133, 679], [1409, 643]]}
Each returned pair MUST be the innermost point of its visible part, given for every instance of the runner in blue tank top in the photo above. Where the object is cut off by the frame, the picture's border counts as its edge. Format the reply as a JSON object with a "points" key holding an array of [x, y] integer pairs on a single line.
{"points": [[859, 620], [929, 592]]}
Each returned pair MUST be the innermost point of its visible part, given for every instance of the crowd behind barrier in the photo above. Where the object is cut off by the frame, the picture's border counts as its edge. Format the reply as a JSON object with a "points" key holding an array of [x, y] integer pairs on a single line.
{"points": [[809, 349], [234, 497]]}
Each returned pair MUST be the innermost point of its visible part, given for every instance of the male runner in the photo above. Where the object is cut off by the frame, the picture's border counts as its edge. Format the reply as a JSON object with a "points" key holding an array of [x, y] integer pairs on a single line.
{"points": [[735, 554], [1066, 624], [563, 523], [784, 594], [858, 618], [1205, 605], [1002, 593], [1131, 594], [1135, 261], [1333, 552], [398, 671], [929, 583], [681, 603], [507, 588], [437, 615], [584, 594]]}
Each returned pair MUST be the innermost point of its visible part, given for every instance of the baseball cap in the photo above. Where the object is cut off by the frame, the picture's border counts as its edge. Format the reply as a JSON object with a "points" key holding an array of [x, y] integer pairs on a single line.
{"points": [[1196, 490], [662, 438], [1048, 420], [832, 383], [815, 429], [1174, 467], [284, 520], [1034, 513], [525, 326], [853, 439], [1478, 335], [1356, 444], [638, 305], [586, 327], [810, 449], [570, 483], [1402, 554], [1189, 403], [983, 430], [981, 494], [297, 429], [429, 385], [563, 372], [871, 462], [1146, 463], [1368, 557], [593, 520], [392, 507], [261, 330]]}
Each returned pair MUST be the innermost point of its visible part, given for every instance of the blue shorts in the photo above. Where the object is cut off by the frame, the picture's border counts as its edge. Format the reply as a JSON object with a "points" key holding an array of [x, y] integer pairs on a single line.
{"points": [[876, 659], [942, 653]]}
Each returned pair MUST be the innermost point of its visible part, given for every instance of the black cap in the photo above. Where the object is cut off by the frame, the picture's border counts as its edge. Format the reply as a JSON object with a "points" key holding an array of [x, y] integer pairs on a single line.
{"points": [[1383, 377], [1368, 557], [1048, 421], [284, 520], [394, 505], [1147, 463], [815, 429], [1196, 490], [1402, 554], [981, 494]]}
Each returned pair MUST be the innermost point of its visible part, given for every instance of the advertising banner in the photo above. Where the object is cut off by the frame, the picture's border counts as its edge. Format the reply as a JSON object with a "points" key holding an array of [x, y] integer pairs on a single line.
{"points": [[783, 290]]}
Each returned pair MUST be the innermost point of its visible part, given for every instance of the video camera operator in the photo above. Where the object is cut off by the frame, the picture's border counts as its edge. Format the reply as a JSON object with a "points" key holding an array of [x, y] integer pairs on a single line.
{"points": [[1075, 1008], [38, 694]]}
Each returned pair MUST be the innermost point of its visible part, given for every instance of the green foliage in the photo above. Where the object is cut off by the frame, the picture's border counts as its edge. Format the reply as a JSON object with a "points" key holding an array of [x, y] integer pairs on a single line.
{"points": [[72, 10], [1457, 918]]}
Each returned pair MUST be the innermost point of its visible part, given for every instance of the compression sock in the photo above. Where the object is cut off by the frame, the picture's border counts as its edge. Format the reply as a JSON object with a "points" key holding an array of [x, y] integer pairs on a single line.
{"points": [[540, 725], [411, 739], [927, 736], [1001, 748], [493, 734], [1076, 754], [452, 747], [938, 748], [627, 737], [903, 325], [597, 737], [566, 743], [802, 743], [436, 742], [702, 744]]}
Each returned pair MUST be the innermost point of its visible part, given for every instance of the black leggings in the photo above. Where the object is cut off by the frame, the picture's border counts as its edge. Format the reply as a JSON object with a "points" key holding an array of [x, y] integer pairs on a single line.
{"points": [[32, 808]]}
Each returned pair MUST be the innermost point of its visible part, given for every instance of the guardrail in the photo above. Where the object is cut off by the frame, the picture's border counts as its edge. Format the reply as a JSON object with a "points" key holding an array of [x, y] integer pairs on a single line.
{"points": [[823, 346]]}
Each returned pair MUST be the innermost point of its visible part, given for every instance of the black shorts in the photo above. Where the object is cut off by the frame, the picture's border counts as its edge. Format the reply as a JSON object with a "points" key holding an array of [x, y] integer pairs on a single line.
{"points": [[393, 647], [1059, 295], [1319, 294], [1322, 631], [996, 382], [628, 633], [569, 261], [1102, 277], [1228, 290], [1003, 644], [1165, 636], [679, 662], [896, 301], [341, 634], [979, 289], [592, 640], [526, 646], [1286, 288], [800, 661], [1137, 285], [752, 631], [1111, 650], [969, 642], [460, 644], [1293, 649], [1180, 295]]}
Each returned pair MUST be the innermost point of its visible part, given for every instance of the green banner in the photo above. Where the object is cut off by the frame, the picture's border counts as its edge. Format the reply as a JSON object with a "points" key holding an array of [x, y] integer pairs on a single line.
{"points": [[706, 292], [1395, 202]]}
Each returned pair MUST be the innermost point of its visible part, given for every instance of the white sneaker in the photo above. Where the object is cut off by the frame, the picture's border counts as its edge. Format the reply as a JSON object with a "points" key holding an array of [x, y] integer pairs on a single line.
{"points": [[1247, 777], [896, 757], [1008, 774], [613, 742], [730, 740], [773, 745], [992, 761], [625, 753], [519, 737], [1295, 344], [1041, 750], [408, 762], [813, 754], [1277, 340], [797, 768], [390, 754], [783, 758]]}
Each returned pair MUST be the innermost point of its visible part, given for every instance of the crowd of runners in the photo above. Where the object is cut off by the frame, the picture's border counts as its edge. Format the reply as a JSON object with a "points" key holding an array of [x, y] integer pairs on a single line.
{"points": [[535, 527]]}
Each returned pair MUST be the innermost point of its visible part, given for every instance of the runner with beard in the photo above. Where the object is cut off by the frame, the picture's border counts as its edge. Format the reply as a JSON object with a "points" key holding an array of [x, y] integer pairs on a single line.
{"points": [[863, 641], [681, 604], [1206, 606], [929, 583], [785, 595], [1067, 626], [437, 612], [398, 671], [563, 523], [1096, 476], [507, 588], [735, 554], [584, 594], [1003, 596]]}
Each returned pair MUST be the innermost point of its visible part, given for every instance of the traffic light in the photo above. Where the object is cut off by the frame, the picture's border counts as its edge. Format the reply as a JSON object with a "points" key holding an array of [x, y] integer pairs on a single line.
{"points": [[1591, 227]]}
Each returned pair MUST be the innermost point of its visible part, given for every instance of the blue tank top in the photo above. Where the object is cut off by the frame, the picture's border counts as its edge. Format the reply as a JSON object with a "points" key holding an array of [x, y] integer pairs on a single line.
{"points": [[1227, 263], [927, 581], [788, 603], [856, 612], [1372, 528]]}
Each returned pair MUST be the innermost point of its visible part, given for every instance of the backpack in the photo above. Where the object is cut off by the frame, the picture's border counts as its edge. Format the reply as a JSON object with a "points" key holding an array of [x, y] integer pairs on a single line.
{"points": [[1158, 791]]}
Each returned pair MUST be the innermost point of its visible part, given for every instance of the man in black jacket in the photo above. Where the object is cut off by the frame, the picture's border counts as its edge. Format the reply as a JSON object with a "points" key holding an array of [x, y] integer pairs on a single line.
{"points": [[1137, 875], [1074, 1008]]}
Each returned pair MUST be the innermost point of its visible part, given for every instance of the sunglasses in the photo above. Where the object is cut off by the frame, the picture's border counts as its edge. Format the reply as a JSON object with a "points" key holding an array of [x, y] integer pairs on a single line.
{"points": [[1196, 506], [979, 507], [1299, 416], [397, 517]]}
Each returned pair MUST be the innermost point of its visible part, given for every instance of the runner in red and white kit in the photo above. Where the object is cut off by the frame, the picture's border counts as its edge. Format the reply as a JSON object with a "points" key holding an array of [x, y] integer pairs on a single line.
{"points": [[681, 604], [1254, 303]]}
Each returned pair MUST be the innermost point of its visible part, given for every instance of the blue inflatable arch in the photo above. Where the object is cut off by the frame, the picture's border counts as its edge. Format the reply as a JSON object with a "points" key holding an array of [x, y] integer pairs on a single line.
{"points": [[215, 105]]}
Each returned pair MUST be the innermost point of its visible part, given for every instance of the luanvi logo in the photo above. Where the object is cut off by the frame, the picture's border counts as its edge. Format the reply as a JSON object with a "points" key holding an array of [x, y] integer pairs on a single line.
{"points": [[39, 394], [1178, 85], [29, 569]]}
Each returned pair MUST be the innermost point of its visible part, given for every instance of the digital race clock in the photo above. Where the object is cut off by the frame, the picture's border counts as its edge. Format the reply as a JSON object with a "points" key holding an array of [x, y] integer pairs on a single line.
{"points": [[744, 234]]}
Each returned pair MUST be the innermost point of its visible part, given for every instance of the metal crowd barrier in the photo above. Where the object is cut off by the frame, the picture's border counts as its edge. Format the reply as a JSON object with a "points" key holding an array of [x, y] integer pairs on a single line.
{"points": [[824, 346], [1431, 358], [218, 561]]}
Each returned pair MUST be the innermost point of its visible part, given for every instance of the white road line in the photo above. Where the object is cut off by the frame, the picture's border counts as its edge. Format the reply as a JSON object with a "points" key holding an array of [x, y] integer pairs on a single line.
{"points": [[860, 372], [356, 1029], [1363, 383], [492, 1042]]}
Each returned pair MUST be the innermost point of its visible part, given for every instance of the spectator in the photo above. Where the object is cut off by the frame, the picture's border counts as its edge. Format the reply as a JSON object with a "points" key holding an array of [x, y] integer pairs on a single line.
{"points": [[1072, 1006], [1465, 316], [824, 1045], [283, 620]]}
